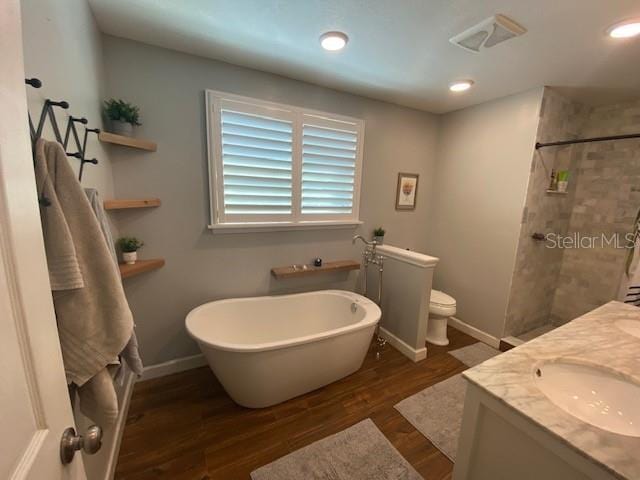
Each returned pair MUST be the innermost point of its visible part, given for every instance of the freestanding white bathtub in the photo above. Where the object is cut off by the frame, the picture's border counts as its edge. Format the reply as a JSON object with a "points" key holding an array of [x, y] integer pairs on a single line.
{"points": [[266, 350]]}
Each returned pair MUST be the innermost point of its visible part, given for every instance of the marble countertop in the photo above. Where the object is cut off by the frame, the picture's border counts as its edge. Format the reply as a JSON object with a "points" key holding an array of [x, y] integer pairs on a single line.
{"points": [[591, 339]]}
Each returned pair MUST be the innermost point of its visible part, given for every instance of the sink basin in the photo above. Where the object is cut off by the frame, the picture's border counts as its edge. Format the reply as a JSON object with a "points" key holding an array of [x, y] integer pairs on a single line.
{"points": [[592, 394], [632, 327]]}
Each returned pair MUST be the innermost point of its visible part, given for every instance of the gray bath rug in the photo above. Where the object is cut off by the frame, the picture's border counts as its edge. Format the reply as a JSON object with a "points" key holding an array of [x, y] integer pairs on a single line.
{"points": [[475, 354], [360, 452], [436, 412]]}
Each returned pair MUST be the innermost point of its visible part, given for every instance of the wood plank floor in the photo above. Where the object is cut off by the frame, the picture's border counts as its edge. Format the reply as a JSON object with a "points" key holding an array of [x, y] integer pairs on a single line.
{"points": [[185, 427]]}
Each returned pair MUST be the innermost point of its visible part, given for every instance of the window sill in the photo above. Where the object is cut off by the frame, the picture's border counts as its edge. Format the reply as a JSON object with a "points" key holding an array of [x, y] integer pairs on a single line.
{"points": [[281, 226]]}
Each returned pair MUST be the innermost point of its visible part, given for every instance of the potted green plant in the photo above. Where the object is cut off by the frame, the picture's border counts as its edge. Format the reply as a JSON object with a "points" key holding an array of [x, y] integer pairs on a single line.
{"points": [[378, 235], [129, 247], [122, 116]]}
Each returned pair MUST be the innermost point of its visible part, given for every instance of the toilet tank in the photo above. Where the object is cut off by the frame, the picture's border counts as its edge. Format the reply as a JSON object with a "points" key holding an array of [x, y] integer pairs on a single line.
{"points": [[406, 289]]}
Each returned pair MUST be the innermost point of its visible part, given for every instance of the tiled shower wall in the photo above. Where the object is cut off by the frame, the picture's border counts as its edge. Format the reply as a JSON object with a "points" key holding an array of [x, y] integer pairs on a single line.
{"points": [[606, 201], [553, 285], [537, 268]]}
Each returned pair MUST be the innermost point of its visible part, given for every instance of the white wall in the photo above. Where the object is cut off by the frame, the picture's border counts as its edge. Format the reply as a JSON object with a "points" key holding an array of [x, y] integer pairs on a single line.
{"points": [[484, 160], [63, 48], [201, 266]]}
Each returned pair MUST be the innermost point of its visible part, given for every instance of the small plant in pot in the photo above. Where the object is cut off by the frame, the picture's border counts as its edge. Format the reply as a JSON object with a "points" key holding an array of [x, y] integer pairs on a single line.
{"points": [[122, 116], [129, 247], [378, 235]]}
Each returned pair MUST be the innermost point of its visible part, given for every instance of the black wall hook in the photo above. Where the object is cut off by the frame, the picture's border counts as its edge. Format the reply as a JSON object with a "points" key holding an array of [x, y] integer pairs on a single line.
{"points": [[93, 161], [70, 131], [61, 104], [47, 112], [34, 82]]}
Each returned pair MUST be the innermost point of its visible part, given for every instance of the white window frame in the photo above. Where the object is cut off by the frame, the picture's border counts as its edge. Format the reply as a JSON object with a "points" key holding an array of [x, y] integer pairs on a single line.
{"points": [[215, 101]]}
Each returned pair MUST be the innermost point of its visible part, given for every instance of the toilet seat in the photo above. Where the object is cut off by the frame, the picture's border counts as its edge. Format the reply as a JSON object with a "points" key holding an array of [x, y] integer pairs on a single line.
{"points": [[442, 304]]}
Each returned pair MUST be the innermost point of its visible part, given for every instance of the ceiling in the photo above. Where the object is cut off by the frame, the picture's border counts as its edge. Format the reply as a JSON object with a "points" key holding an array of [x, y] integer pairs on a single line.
{"points": [[398, 49]]}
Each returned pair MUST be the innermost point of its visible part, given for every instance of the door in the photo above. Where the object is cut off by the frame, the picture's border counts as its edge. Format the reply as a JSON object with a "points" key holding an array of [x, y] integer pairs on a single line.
{"points": [[34, 402]]}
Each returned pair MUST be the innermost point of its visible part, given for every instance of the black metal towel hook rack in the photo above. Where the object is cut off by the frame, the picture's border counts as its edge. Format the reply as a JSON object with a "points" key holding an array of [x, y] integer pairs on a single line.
{"points": [[71, 132]]}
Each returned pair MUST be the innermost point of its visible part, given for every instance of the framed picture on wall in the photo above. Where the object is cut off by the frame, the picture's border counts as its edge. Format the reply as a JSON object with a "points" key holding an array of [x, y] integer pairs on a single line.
{"points": [[407, 191]]}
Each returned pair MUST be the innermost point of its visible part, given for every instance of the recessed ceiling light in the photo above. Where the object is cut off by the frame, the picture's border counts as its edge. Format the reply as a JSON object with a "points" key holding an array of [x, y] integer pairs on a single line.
{"points": [[333, 41], [626, 29], [461, 85]]}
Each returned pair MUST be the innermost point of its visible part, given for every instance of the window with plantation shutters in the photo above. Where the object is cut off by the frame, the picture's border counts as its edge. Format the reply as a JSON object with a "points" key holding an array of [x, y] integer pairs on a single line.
{"points": [[283, 166], [329, 163], [256, 164]]}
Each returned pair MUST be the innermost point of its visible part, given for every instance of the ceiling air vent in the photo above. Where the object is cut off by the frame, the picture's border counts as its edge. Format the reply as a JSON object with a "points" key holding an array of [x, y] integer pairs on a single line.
{"points": [[488, 33]]}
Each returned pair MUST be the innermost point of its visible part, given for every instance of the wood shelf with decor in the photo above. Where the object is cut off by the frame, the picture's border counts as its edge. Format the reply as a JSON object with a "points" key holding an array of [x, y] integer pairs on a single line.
{"points": [[141, 266], [131, 203], [293, 271], [131, 142]]}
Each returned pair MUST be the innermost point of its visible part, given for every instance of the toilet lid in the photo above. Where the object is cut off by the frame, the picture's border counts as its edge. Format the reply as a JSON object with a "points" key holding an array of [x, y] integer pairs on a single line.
{"points": [[441, 298]]}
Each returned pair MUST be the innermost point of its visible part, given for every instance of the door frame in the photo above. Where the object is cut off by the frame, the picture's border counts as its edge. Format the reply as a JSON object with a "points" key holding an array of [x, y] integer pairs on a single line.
{"points": [[22, 250]]}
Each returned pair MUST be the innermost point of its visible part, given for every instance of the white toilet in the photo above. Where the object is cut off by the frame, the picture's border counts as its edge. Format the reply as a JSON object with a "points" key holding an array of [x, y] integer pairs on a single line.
{"points": [[441, 307]]}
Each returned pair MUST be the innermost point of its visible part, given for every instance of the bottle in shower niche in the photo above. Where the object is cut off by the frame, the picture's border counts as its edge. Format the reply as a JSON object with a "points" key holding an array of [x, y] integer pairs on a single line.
{"points": [[553, 183], [562, 180]]}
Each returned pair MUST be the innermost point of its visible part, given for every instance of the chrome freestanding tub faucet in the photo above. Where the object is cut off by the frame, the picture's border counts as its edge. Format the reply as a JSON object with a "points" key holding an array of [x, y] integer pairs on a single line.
{"points": [[370, 256], [366, 242]]}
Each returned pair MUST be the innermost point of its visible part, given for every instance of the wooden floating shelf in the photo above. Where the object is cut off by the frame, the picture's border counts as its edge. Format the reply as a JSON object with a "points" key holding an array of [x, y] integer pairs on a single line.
{"points": [[556, 192], [139, 143], [140, 266], [126, 204], [327, 267]]}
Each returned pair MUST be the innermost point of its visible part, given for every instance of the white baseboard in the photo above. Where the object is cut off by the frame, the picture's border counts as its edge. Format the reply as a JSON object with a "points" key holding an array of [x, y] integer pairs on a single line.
{"points": [[118, 428], [173, 366], [474, 332], [407, 350]]}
